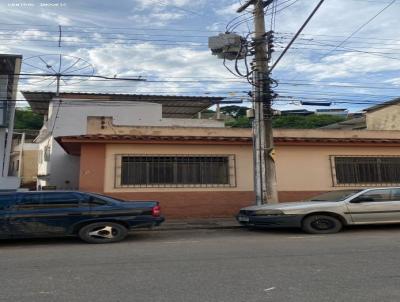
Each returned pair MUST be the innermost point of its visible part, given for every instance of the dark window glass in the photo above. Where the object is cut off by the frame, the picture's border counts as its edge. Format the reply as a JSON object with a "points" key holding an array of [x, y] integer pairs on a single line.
{"points": [[48, 201], [395, 194], [364, 170], [376, 195], [60, 200], [93, 201], [105, 198], [175, 170]]}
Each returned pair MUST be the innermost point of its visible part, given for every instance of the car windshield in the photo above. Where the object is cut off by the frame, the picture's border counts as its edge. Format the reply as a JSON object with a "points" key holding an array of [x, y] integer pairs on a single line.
{"points": [[334, 195]]}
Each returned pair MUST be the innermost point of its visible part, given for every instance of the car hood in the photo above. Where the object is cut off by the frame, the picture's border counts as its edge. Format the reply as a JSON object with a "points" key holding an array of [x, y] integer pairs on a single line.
{"points": [[293, 205]]}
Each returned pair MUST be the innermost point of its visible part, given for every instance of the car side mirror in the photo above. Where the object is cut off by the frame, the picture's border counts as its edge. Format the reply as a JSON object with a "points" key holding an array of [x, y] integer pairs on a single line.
{"points": [[362, 199]]}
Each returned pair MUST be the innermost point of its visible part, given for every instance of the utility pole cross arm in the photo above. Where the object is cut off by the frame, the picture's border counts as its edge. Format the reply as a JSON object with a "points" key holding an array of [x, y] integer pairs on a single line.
{"points": [[245, 5]]}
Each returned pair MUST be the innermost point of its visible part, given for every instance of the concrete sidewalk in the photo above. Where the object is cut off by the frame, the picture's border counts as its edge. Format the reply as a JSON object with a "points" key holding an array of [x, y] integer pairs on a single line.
{"points": [[190, 224]]}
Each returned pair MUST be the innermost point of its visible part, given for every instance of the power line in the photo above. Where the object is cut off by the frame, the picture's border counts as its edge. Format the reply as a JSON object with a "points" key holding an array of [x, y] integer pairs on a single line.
{"points": [[186, 29], [359, 29], [339, 36], [231, 79], [296, 35], [204, 80], [178, 8], [234, 26], [350, 50], [7, 31]]}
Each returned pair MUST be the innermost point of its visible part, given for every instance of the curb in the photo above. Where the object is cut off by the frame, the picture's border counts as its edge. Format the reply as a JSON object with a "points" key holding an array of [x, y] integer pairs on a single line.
{"points": [[200, 227], [199, 224]]}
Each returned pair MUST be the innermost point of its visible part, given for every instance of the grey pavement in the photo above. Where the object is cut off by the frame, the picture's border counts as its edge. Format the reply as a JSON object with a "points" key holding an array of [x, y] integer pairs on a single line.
{"points": [[360, 264], [206, 223]]}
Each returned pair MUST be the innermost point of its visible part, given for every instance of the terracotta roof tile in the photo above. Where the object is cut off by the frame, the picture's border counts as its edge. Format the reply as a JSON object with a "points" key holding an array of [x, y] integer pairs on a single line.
{"points": [[72, 143]]}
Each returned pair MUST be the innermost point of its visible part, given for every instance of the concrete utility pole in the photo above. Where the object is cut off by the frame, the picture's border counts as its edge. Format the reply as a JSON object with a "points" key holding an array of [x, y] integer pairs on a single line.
{"points": [[265, 172]]}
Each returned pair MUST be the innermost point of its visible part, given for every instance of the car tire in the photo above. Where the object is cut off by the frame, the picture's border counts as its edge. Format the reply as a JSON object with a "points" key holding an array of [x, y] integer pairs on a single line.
{"points": [[103, 232], [321, 224]]}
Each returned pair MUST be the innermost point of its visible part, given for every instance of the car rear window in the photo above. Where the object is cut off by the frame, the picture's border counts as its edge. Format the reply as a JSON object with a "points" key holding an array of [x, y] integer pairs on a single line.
{"points": [[93, 201], [108, 199]]}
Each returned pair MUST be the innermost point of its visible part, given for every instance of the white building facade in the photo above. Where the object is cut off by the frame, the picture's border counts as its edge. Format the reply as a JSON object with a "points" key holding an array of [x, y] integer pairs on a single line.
{"points": [[68, 114]]}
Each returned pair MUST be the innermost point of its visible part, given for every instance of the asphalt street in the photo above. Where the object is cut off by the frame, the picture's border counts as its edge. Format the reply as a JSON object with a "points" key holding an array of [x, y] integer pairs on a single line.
{"points": [[360, 264]]}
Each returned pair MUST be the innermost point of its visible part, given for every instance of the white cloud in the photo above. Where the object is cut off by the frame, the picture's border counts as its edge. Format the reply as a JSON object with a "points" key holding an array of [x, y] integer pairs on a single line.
{"points": [[338, 65], [160, 63], [228, 10], [395, 81], [56, 18], [161, 13], [154, 3]]}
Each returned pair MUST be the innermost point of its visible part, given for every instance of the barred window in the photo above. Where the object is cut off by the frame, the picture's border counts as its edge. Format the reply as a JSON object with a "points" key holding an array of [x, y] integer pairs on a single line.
{"points": [[175, 171], [367, 170]]}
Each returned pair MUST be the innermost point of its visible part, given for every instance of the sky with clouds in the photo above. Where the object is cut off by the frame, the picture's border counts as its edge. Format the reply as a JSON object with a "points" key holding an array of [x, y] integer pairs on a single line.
{"points": [[165, 42]]}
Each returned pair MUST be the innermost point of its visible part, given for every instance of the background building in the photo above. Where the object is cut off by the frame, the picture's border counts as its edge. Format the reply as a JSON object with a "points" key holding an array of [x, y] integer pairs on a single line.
{"points": [[24, 159], [67, 115], [10, 66]]}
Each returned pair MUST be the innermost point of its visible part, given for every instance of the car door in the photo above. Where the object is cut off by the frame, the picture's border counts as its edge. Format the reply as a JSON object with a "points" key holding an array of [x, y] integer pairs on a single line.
{"points": [[5, 201], [45, 213], [376, 206]]}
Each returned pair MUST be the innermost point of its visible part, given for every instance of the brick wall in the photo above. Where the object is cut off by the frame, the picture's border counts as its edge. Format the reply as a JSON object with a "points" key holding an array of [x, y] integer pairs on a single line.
{"points": [[175, 205], [195, 204]]}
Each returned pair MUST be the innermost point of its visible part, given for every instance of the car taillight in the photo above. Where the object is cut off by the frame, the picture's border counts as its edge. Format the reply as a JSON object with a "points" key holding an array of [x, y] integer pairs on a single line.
{"points": [[156, 211]]}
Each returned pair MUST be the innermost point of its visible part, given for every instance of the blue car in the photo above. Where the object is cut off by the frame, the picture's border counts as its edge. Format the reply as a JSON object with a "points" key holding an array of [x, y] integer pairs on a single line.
{"points": [[92, 217]]}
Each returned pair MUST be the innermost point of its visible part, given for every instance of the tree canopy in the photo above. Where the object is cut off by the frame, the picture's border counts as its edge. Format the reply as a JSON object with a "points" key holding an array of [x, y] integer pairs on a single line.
{"points": [[26, 119], [290, 121], [234, 111], [305, 122]]}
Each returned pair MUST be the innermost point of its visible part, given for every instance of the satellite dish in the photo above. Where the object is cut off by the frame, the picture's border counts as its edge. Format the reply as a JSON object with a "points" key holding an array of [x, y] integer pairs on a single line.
{"points": [[56, 68]]}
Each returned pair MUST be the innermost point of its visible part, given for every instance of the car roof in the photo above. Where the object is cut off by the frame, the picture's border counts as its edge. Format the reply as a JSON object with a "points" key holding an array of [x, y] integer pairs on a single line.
{"points": [[37, 192], [380, 188]]}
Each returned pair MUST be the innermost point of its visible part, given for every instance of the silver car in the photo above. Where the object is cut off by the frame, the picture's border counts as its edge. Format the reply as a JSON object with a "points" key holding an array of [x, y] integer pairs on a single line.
{"points": [[329, 212]]}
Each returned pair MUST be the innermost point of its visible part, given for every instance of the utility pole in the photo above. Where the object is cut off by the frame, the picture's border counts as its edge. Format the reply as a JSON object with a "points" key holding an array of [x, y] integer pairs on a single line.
{"points": [[233, 47], [264, 165]]}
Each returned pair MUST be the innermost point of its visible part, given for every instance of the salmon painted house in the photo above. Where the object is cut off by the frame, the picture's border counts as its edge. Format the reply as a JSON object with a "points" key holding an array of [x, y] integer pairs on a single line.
{"points": [[200, 172]]}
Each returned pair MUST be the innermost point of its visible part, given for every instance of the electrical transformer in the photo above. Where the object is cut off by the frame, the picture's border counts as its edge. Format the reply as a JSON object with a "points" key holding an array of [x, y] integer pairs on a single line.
{"points": [[227, 46]]}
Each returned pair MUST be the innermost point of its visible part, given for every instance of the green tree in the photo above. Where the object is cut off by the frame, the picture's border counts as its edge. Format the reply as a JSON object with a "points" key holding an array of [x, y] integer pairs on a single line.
{"points": [[240, 122], [26, 119], [305, 122], [234, 111], [290, 121]]}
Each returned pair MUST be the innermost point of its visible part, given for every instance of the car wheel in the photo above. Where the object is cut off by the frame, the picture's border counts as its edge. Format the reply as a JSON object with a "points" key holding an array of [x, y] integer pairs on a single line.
{"points": [[103, 232], [321, 224]]}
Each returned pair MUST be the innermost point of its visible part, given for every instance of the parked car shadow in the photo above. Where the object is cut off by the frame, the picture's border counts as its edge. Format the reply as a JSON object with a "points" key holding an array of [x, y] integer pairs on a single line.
{"points": [[275, 231], [39, 241], [348, 229], [368, 228], [15, 242]]}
